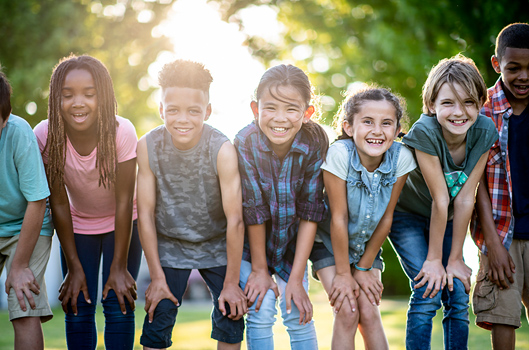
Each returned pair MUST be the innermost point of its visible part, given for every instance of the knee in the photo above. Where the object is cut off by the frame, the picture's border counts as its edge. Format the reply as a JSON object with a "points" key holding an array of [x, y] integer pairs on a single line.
{"points": [[346, 318], [266, 315], [369, 315], [427, 304]]}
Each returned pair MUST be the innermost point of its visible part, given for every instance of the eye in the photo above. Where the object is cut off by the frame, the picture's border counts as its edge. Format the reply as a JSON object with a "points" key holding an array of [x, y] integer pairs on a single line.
{"points": [[387, 123], [368, 122], [271, 109], [90, 95], [194, 111], [66, 96], [469, 103], [512, 69], [446, 103], [171, 110]]}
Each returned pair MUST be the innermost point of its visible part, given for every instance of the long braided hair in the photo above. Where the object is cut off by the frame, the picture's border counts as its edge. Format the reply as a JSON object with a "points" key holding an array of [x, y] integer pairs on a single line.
{"points": [[106, 159]]}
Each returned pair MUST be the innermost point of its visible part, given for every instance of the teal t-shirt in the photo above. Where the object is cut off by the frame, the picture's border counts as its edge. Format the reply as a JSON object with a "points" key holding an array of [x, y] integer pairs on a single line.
{"points": [[22, 175], [426, 136]]}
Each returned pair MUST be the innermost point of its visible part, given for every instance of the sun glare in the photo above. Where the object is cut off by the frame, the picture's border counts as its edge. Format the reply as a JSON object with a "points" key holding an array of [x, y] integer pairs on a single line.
{"points": [[198, 33]]}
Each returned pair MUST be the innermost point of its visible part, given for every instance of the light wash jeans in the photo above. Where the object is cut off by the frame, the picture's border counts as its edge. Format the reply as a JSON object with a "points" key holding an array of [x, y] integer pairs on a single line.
{"points": [[409, 236], [259, 334]]}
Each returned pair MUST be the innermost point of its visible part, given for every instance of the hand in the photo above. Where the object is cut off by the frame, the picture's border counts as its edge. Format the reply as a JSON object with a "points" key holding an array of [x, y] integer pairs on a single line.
{"points": [[121, 281], [501, 266], [235, 297], [371, 284], [294, 291], [259, 282], [23, 282], [434, 274], [74, 282], [156, 292], [458, 269], [343, 285]]}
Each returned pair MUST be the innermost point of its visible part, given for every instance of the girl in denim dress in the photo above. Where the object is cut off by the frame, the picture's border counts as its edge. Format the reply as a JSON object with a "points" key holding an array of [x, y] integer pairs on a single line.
{"points": [[363, 175]]}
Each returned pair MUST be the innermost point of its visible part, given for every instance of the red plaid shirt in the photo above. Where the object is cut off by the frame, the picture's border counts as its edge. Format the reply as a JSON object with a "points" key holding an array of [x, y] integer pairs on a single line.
{"points": [[498, 170]]}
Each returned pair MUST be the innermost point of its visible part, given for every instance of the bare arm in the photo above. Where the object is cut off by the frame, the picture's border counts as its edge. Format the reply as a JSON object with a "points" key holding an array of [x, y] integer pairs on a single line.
{"points": [[294, 289], [20, 277], [146, 199], [432, 271], [75, 280], [119, 279], [230, 186], [370, 282], [501, 266], [463, 206], [343, 284]]}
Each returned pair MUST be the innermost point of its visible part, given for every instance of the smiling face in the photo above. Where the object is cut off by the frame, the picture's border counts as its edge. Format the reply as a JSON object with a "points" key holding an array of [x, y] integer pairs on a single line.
{"points": [[514, 69], [455, 115], [184, 111], [373, 130], [79, 102], [281, 119]]}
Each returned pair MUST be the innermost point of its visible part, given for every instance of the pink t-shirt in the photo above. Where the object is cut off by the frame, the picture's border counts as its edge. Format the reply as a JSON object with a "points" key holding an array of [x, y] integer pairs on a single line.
{"points": [[93, 207]]}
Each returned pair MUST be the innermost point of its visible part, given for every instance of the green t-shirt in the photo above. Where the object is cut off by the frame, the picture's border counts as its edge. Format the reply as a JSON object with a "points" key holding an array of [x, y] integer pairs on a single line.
{"points": [[426, 136]]}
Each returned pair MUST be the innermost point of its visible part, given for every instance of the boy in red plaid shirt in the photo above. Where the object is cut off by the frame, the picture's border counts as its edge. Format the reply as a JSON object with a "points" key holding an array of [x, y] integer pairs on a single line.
{"points": [[500, 226]]}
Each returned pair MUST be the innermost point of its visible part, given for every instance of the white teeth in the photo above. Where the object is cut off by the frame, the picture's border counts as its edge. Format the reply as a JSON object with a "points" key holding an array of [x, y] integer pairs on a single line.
{"points": [[458, 121], [279, 129], [378, 142], [183, 130]]}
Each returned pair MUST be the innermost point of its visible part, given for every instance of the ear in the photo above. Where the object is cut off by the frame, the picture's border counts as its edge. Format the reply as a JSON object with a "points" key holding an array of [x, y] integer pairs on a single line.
{"points": [[161, 111], [308, 113], [208, 111], [495, 64], [348, 128], [255, 109]]}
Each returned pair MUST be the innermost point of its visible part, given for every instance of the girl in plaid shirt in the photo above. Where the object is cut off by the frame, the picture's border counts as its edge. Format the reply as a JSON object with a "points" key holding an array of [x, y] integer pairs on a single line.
{"points": [[280, 154]]}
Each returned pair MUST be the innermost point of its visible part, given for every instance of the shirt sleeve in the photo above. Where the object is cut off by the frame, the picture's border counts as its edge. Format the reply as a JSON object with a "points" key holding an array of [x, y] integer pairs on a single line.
{"points": [[421, 136], [337, 160], [31, 174], [310, 205], [126, 140], [41, 132], [406, 162], [255, 209]]}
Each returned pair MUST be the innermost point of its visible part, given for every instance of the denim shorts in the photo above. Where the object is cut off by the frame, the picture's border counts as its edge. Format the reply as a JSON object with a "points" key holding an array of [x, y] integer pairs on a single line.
{"points": [[158, 333], [321, 257]]}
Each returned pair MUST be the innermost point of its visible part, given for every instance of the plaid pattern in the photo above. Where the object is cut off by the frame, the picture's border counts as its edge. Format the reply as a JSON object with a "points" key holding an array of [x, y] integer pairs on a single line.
{"points": [[279, 193], [498, 170]]}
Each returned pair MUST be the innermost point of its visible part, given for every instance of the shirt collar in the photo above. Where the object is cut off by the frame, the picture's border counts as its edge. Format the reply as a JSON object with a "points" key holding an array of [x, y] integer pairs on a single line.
{"points": [[499, 101], [384, 167]]}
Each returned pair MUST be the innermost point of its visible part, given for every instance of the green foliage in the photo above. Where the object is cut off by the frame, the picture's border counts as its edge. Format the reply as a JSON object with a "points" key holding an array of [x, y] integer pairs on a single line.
{"points": [[37, 33], [393, 43]]}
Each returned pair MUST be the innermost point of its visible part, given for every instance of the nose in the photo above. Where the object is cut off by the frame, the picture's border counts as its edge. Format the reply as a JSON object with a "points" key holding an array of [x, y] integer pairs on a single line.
{"points": [[78, 101], [458, 109], [377, 129], [524, 74]]}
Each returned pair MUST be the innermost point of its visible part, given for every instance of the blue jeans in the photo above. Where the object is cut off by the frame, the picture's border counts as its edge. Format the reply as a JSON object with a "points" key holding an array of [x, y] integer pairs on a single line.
{"points": [[259, 334], [410, 236], [81, 330]]}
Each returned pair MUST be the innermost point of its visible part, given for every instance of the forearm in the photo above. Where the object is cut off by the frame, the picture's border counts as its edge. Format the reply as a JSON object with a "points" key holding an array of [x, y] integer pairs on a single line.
{"points": [[340, 244], [257, 242], [29, 233], [484, 211], [234, 247], [62, 220], [375, 242], [304, 243], [462, 213], [122, 233], [149, 243], [438, 222]]}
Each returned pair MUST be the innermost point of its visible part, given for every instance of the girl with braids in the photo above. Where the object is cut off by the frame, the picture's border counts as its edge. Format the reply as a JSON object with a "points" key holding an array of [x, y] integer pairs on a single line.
{"points": [[90, 159], [363, 175], [280, 155]]}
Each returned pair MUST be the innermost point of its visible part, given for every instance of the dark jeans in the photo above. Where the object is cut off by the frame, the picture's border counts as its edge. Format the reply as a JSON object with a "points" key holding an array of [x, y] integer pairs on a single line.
{"points": [[81, 330]]}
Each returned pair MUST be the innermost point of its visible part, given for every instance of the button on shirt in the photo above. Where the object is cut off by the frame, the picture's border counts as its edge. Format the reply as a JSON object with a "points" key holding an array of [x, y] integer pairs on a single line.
{"points": [[279, 193]]}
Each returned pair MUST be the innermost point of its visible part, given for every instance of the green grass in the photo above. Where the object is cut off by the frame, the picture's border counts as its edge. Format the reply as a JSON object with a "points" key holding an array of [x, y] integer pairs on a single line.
{"points": [[192, 331]]}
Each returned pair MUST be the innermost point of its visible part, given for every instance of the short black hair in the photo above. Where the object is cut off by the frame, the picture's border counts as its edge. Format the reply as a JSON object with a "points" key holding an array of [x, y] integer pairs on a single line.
{"points": [[5, 96], [186, 74], [515, 35]]}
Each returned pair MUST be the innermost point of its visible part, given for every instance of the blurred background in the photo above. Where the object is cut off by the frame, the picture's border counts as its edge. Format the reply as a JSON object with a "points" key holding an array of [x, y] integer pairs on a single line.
{"points": [[339, 43]]}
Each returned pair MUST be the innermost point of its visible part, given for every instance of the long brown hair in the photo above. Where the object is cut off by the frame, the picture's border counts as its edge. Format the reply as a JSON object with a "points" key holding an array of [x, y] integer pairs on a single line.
{"points": [[106, 159]]}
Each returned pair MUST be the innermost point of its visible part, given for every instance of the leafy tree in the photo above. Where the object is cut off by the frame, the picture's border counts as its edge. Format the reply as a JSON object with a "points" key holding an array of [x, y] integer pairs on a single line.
{"points": [[37, 33], [393, 43]]}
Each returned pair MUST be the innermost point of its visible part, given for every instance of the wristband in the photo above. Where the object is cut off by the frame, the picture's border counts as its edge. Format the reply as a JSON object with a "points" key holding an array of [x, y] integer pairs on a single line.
{"points": [[362, 268]]}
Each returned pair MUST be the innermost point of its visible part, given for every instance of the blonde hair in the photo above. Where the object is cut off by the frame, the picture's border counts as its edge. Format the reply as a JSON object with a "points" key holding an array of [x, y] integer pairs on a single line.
{"points": [[459, 70]]}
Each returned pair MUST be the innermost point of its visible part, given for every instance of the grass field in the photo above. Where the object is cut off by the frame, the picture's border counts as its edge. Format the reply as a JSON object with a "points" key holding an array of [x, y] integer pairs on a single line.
{"points": [[192, 331]]}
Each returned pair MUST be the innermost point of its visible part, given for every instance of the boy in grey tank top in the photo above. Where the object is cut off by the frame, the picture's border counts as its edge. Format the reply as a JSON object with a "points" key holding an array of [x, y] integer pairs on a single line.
{"points": [[190, 210]]}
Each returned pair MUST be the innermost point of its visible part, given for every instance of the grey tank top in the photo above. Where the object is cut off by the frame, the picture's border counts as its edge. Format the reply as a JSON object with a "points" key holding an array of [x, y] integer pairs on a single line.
{"points": [[190, 220]]}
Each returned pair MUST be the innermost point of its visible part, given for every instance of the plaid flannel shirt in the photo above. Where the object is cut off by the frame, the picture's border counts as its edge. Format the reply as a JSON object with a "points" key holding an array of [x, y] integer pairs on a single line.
{"points": [[279, 193], [498, 171]]}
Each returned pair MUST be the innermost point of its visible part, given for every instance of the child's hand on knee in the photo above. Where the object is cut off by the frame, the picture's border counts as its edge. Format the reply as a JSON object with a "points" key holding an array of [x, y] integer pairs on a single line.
{"points": [[458, 269], [370, 283], [434, 275], [343, 285], [259, 282]]}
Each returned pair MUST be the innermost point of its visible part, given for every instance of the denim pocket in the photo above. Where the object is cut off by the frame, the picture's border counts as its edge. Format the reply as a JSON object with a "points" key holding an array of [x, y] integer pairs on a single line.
{"points": [[485, 293]]}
